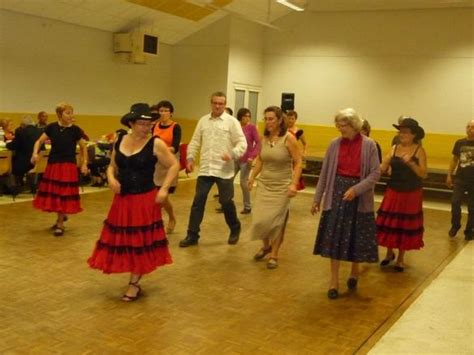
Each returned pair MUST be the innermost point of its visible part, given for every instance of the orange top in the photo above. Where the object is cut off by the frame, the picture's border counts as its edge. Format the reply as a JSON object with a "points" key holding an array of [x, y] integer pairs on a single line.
{"points": [[165, 133]]}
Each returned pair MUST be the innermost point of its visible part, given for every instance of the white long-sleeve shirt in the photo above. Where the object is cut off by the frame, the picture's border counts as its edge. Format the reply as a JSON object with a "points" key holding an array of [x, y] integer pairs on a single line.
{"points": [[214, 137]]}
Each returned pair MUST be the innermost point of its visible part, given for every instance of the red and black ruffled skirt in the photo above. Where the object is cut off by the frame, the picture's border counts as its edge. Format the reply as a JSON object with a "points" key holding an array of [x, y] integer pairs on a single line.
{"points": [[132, 239], [400, 220], [58, 190]]}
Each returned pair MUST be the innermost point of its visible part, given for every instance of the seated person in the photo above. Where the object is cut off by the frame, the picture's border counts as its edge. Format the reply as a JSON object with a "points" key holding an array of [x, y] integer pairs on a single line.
{"points": [[7, 125], [22, 144], [100, 161]]}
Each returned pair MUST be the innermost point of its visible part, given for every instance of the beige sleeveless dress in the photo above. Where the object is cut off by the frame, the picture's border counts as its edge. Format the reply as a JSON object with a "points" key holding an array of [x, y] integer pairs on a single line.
{"points": [[272, 203]]}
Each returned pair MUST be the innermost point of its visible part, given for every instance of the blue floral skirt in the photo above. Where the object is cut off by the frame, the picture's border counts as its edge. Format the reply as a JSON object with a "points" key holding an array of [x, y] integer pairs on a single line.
{"points": [[344, 233]]}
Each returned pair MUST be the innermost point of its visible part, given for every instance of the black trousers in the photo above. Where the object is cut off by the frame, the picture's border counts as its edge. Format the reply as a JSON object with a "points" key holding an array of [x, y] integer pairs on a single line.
{"points": [[225, 188], [459, 190]]}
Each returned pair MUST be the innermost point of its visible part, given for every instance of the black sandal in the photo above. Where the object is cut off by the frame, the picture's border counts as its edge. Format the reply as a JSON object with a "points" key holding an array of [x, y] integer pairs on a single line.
{"points": [[386, 261], [55, 225], [127, 298], [58, 231], [262, 252]]}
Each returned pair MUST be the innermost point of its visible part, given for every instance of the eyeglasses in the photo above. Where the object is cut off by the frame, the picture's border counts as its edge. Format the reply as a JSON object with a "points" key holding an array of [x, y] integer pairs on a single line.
{"points": [[144, 124]]}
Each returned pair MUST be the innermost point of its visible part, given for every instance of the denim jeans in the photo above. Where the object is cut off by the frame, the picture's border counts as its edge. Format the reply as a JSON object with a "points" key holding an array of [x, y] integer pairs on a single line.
{"points": [[244, 169], [225, 187], [459, 190]]}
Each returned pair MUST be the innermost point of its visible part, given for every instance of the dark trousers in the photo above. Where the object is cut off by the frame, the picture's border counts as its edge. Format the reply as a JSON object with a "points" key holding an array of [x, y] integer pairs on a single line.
{"points": [[459, 190], [225, 187]]}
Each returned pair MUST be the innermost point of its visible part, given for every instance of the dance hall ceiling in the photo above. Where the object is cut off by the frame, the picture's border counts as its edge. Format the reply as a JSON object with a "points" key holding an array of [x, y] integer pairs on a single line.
{"points": [[173, 20]]}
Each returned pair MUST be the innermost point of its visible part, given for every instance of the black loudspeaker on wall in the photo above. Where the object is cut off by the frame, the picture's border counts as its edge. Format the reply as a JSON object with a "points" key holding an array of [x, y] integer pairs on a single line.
{"points": [[287, 101]]}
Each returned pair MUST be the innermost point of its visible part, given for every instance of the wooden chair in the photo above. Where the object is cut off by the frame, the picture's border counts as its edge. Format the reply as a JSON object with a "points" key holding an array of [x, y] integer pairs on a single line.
{"points": [[6, 171], [39, 168]]}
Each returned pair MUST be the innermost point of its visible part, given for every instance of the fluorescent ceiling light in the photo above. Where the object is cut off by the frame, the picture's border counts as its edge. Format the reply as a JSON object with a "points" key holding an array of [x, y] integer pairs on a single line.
{"points": [[290, 5]]}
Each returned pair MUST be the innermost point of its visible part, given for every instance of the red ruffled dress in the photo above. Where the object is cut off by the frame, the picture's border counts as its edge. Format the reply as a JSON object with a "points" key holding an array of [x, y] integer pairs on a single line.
{"points": [[132, 238], [58, 190], [400, 216]]}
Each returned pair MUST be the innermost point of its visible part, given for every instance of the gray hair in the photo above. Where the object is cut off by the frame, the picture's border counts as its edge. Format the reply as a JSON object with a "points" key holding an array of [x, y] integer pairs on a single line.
{"points": [[27, 121], [350, 116]]}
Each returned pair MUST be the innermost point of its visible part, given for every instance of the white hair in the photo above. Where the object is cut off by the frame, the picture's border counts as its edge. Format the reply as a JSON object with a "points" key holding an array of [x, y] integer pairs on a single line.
{"points": [[350, 116]]}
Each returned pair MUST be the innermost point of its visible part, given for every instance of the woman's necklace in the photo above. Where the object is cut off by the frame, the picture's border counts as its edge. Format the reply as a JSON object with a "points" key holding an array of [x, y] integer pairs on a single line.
{"points": [[63, 127], [272, 140]]}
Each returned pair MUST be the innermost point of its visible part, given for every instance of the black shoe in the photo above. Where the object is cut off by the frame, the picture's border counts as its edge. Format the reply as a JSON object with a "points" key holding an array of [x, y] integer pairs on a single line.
{"points": [[453, 231], [234, 237], [333, 293], [468, 237], [58, 232], [186, 242], [246, 211], [220, 210], [398, 268], [351, 283], [385, 262]]}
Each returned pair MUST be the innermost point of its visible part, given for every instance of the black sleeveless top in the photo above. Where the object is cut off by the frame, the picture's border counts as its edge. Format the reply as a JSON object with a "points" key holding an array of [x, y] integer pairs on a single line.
{"points": [[403, 178], [135, 172]]}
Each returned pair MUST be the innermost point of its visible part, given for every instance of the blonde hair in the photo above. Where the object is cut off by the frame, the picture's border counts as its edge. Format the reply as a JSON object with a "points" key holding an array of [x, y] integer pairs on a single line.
{"points": [[61, 107], [350, 116]]}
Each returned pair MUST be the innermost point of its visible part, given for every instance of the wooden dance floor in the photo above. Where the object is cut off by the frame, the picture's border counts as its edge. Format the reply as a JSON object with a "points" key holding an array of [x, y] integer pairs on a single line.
{"points": [[214, 299]]}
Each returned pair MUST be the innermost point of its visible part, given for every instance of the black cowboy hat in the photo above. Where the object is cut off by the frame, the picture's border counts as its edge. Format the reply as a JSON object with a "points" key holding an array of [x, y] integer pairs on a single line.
{"points": [[414, 127], [139, 111]]}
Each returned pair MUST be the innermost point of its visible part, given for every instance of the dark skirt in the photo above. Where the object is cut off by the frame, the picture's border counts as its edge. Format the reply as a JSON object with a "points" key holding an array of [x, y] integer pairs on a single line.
{"points": [[132, 239], [344, 233], [400, 220], [58, 190]]}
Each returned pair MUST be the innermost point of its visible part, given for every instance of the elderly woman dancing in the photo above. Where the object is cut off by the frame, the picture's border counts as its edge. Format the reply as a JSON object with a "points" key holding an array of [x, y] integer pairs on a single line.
{"points": [[346, 189]]}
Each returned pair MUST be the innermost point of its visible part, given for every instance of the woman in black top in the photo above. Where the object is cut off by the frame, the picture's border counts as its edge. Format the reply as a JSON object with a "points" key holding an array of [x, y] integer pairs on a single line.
{"points": [[58, 190], [400, 216], [133, 239]]}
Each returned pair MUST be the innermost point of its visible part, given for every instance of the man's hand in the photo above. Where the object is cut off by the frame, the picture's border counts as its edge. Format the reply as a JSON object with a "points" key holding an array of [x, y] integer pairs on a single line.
{"points": [[449, 181], [189, 166]]}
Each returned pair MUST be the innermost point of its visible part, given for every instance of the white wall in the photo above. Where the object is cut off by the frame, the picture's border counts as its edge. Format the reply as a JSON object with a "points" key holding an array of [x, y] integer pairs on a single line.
{"points": [[43, 62], [200, 64], [417, 62], [245, 57]]}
